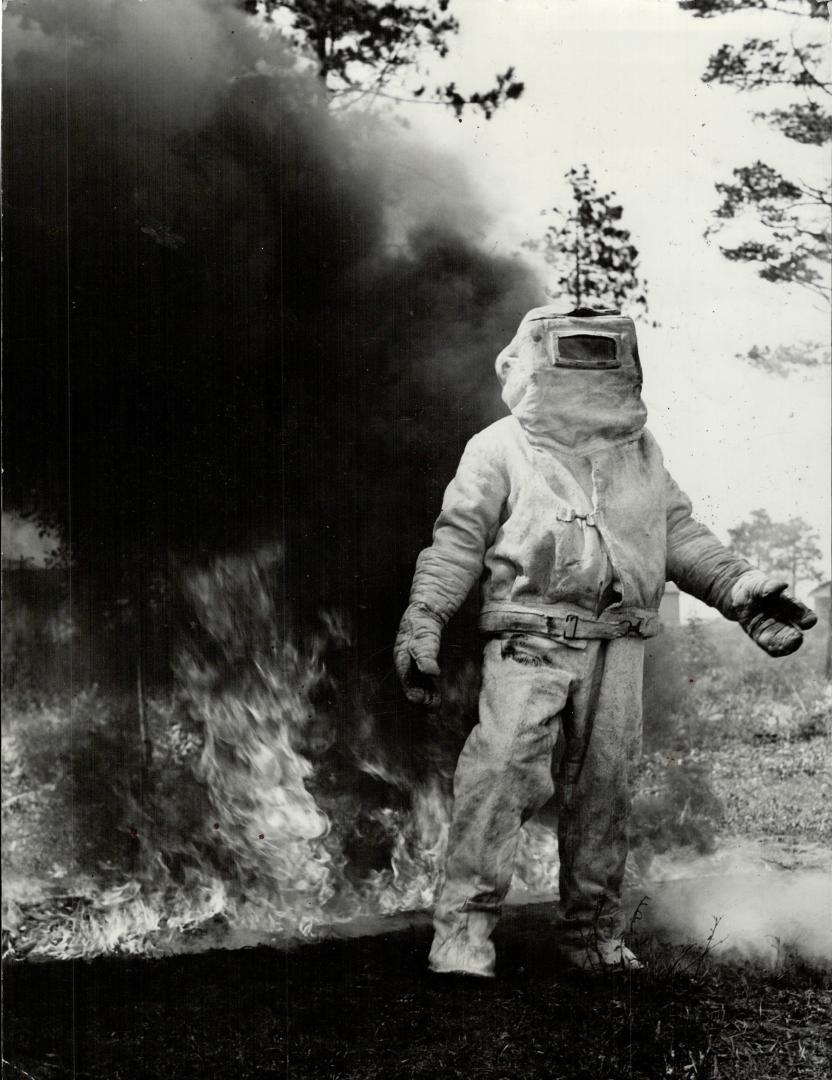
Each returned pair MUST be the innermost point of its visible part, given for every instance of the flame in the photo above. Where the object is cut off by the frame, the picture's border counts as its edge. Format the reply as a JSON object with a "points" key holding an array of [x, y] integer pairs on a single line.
{"points": [[272, 858], [420, 839], [277, 847], [273, 855]]}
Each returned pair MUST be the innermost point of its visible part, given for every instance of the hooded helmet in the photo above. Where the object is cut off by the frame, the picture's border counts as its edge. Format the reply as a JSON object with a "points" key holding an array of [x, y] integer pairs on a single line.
{"points": [[574, 381]]}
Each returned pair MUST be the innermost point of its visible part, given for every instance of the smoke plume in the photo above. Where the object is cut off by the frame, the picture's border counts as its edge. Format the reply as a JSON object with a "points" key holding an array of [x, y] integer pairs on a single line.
{"points": [[234, 318], [739, 907]]}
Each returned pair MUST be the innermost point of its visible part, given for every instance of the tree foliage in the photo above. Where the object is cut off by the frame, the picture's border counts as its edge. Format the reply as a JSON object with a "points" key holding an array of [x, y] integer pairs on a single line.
{"points": [[706, 9], [797, 241], [804, 122], [784, 360], [593, 256], [786, 219], [786, 548], [363, 47], [762, 62]]}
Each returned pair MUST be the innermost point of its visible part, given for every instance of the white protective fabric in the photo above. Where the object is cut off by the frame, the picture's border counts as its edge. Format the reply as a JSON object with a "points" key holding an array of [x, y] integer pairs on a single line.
{"points": [[548, 513], [534, 692], [563, 507]]}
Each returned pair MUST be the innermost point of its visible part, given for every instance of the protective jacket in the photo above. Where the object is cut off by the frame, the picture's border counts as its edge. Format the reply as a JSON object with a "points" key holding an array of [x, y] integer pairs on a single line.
{"points": [[565, 507]]}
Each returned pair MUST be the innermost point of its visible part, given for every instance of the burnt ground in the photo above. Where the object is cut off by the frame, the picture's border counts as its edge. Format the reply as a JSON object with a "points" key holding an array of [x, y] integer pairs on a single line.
{"points": [[366, 1009]]}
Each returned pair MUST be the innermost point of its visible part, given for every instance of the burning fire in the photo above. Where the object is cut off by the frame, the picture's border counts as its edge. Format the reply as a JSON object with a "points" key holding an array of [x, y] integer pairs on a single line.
{"points": [[274, 856]]}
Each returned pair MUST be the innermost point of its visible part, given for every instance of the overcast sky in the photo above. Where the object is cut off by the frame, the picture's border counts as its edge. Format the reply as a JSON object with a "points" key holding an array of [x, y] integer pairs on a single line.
{"points": [[616, 84]]}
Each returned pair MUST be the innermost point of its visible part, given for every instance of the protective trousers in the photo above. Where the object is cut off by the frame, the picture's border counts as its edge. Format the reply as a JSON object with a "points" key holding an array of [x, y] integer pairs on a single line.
{"points": [[535, 690]]}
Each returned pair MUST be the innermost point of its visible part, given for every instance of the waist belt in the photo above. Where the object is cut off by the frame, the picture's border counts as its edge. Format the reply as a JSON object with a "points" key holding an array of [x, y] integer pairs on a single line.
{"points": [[570, 627]]}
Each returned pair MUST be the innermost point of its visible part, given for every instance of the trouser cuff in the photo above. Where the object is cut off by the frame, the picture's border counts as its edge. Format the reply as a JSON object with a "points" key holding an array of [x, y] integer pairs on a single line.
{"points": [[462, 943]]}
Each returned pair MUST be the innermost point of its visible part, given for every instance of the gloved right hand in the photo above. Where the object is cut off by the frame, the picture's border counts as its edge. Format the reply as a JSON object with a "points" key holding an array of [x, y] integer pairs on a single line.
{"points": [[415, 655], [769, 614]]}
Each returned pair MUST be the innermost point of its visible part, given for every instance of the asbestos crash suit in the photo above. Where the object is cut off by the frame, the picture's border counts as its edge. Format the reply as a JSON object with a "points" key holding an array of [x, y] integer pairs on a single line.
{"points": [[565, 512]]}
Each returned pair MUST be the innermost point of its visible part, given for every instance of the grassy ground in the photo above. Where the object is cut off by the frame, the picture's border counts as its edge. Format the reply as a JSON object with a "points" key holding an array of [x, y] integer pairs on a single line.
{"points": [[772, 791], [781, 790], [739, 746], [366, 1009]]}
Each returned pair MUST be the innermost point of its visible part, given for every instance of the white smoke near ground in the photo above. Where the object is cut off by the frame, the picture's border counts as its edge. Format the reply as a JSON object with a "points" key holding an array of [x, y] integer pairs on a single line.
{"points": [[763, 917], [740, 904]]}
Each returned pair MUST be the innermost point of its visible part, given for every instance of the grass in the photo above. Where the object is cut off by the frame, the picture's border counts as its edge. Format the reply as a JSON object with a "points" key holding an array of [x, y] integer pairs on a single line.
{"points": [[781, 790], [737, 745], [366, 1010]]}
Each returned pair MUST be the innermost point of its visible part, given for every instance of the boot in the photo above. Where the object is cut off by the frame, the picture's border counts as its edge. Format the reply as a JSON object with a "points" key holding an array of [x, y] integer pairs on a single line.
{"points": [[462, 945], [599, 953]]}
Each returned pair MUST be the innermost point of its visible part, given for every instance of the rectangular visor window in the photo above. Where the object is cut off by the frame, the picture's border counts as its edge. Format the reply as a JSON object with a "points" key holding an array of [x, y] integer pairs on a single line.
{"points": [[593, 351]]}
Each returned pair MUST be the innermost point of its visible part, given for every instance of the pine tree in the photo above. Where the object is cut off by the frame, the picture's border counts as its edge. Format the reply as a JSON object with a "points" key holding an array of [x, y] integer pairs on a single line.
{"points": [[594, 259], [788, 549], [366, 49], [778, 224]]}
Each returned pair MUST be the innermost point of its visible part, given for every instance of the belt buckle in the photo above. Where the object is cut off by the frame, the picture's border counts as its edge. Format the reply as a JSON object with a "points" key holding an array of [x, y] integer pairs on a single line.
{"points": [[646, 626], [570, 629]]}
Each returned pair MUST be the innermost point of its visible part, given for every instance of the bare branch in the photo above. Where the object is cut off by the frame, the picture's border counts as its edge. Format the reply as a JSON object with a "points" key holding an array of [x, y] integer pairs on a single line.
{"points": [[810, 75]]}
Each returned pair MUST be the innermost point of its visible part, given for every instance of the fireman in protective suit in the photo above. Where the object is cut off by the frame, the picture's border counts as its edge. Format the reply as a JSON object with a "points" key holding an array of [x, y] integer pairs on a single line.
{"points": [[565, 511]]}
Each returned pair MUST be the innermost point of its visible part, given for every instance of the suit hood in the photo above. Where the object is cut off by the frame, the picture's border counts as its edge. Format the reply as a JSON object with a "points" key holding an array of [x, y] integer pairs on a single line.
{"points": [[574, 381]]}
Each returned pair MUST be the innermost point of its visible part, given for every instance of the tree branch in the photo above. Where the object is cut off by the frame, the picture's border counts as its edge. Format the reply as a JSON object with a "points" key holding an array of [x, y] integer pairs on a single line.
{"points": [[810, 75]]}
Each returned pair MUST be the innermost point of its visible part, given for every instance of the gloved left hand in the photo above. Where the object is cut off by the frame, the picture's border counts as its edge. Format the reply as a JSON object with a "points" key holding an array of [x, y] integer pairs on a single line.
{"points": [[416, 655], [769, 614]]}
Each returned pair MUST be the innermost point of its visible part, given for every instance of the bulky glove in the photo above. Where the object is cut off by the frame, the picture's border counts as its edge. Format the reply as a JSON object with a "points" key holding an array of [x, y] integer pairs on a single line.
{"points": [[415, 655], [770, 615]]}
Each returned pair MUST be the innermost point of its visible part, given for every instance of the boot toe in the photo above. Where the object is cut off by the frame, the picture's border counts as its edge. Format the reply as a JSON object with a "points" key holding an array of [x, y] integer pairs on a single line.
{"points": [[603, 957]]}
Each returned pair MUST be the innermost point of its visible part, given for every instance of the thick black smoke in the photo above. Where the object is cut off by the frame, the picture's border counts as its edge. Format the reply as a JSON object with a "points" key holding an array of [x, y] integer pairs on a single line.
{"points": [[230, 317]]}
